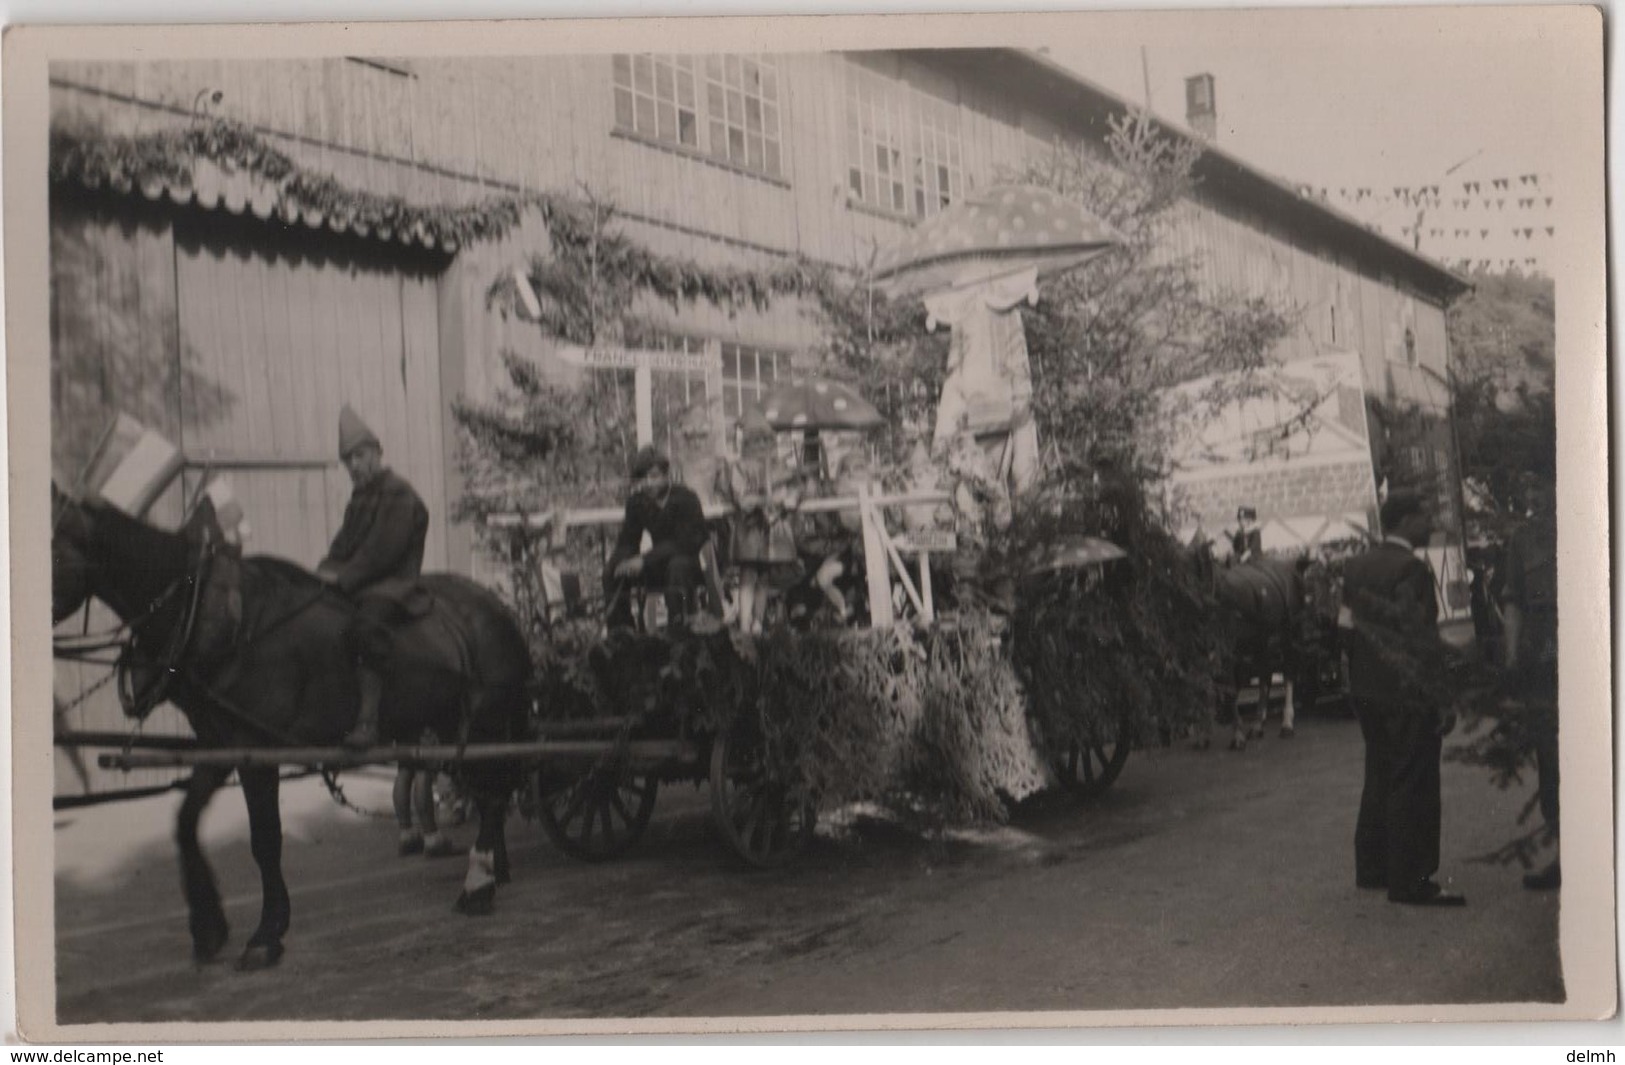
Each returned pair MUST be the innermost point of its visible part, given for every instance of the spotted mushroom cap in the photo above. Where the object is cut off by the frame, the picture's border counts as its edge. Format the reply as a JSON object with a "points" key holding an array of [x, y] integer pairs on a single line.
{"points": [[818, 404], [1006, 221]]}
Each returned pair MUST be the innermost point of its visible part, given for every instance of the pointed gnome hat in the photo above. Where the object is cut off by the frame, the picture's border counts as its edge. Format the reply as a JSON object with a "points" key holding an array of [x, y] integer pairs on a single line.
{"points": [[353, 432]]}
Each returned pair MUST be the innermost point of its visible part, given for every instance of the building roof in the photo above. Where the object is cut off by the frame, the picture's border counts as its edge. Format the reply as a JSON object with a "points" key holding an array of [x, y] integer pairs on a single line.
{"points": [[1223, 175]]}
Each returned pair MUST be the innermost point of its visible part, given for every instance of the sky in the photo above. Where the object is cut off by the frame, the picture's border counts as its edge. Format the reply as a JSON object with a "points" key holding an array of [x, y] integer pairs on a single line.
{"points": [[1341, 98]]}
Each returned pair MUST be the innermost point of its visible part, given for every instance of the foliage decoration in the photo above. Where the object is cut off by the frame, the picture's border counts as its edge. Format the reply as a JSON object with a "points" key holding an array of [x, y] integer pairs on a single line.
{"points": [[928, 722], [167, 158], [593, 279]]}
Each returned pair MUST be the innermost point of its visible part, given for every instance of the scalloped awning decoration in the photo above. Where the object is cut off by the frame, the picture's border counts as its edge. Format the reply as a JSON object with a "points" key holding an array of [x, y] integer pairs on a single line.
{"points": [[227, 166]]}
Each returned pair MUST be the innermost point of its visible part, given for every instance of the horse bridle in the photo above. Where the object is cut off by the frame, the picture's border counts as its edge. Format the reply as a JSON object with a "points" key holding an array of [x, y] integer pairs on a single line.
{"points": [[138, 704]]}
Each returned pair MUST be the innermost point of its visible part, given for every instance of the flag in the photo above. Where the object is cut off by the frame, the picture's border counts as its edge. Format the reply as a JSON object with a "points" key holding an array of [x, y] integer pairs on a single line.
{"points": [[228, 511], [133, 467]]}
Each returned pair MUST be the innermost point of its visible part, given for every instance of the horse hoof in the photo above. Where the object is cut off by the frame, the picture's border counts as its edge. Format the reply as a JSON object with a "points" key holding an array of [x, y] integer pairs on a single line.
{"points": [[504, 877], [207, 942], [259, 956], [1238, 745], [481, 902], [1287, 732], [1201, 745]]}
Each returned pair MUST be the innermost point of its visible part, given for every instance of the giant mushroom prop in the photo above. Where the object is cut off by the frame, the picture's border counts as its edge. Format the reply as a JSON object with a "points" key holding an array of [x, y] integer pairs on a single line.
{"points": [[973, 265]]}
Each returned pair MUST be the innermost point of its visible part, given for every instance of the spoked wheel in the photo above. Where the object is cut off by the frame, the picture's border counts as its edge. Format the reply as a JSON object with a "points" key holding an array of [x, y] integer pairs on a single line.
{"points": [[595, 816], [1088, 769], [764, 820]]}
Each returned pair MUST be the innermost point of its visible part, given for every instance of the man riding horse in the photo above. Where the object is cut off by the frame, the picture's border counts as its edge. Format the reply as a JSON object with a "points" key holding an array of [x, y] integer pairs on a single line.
{"points": [[382, 537]]}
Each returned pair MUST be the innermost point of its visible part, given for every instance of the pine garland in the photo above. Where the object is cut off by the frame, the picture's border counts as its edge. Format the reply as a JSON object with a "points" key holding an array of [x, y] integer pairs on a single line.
{"points": [[167, 158], [926, 721]]}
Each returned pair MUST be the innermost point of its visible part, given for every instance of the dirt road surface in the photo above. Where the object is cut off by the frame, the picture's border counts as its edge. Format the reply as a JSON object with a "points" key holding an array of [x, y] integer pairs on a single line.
{"points": [[1202, 879]]}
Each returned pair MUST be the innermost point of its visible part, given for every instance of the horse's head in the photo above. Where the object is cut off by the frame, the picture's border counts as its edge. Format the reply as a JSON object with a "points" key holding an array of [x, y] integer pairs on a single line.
{"points": [[73, 566], [98, 551]]}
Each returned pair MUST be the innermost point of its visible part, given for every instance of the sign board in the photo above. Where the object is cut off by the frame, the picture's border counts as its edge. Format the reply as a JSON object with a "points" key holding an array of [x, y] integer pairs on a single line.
{"points": [[643, 361], [643, 358], [619, 358], [939, 541]]}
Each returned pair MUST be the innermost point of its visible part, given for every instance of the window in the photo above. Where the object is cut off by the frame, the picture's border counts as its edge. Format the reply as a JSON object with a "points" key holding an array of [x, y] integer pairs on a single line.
{"points": [[655, 97], [726, 106], [747, 374], [903, 146], [937, 180], [742, 106]]}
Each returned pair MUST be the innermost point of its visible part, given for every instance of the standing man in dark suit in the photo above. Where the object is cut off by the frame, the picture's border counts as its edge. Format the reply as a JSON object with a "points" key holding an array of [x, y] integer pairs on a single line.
{"points": [[1390, 608], [385, 525]]}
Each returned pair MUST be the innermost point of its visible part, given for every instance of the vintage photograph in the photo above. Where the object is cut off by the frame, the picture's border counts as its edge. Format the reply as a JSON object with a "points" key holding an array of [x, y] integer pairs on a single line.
{"points": [[813, 520]]}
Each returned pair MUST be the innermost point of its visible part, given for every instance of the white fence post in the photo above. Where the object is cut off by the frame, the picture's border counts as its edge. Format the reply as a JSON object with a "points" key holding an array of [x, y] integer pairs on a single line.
{"points": [[876, 563]]}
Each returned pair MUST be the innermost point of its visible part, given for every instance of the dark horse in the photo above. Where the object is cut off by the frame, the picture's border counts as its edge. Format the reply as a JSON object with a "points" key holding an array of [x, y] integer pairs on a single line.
{"points": [[257, 652], [1261, 605]]}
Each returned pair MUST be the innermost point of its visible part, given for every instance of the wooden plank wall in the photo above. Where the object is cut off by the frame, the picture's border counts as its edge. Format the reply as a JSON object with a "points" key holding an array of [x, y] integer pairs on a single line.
{"points": [[293, 329], [113, 334], [502, 123]]}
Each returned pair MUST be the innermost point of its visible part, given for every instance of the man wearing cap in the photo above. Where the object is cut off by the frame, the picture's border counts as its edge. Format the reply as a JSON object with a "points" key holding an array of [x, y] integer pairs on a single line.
{"points": [[1248, 541], [675, 521], [1388, 588], [382, 537]]}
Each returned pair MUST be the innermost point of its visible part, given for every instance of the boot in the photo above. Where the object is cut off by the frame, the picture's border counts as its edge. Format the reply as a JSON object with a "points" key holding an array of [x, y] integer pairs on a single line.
{"points": [[365, 733]]}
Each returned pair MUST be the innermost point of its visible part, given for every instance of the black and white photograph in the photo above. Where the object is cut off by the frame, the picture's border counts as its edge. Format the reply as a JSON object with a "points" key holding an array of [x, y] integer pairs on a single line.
{"points": [[663, 525]]}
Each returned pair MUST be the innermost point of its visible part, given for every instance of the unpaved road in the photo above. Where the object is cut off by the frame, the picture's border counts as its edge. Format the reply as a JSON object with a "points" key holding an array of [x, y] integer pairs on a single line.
{"points": [[1202, 879]]}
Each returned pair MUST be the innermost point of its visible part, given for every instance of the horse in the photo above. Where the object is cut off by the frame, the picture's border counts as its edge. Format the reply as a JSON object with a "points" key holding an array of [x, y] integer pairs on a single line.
{"points": [[257, 652], [1260, 612]]}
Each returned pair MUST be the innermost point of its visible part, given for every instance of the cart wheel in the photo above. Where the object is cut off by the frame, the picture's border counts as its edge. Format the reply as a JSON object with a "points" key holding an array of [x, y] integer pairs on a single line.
{"points": [[765, 821], [596, 816], [1087, 770]]}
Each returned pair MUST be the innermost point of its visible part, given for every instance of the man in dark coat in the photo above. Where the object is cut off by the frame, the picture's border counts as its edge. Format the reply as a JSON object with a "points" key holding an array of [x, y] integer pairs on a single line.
{"points": [[1390, 613], [381, 539], [675, 521]]}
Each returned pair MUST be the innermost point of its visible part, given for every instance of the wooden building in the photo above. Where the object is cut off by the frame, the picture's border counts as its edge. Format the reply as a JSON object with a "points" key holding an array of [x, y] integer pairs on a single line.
{"points": [[239, 334]]}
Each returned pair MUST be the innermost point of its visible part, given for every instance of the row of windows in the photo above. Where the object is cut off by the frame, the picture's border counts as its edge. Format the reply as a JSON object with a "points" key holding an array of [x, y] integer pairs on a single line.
{"points": [[724, 106], [904, 148]]}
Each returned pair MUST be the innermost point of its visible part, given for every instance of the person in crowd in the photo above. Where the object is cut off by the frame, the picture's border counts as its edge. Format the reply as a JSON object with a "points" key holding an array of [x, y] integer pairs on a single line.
{"points": [[745, 483], [381, 539], [1529, 607], [1248, 542], [844, 555], [415, 813], [672, 516], [1389, 611]]}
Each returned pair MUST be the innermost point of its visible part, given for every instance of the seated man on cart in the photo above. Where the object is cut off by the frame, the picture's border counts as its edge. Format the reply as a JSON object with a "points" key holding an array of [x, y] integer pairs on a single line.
{"points": [[674, 519]]}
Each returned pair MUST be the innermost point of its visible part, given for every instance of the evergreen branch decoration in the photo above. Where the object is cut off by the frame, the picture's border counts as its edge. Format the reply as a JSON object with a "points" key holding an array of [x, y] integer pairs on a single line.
{"points": [[166, 158]]}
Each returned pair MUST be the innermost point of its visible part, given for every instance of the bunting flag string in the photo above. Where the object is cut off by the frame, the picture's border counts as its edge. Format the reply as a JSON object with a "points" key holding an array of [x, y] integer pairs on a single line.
{"points": [[1430, 194]]}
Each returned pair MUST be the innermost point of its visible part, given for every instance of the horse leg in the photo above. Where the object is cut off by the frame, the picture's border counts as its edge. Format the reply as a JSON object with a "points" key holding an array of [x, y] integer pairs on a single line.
{"points": [[206, 917], [1289, 710], [1266, 687], [478, 898], [1238, 722], [261, 787], [504, 873]]}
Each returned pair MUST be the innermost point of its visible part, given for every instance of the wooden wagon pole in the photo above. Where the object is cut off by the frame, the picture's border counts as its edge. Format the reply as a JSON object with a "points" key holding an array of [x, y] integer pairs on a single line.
{"points": [[639, 753], [120, 739]]}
